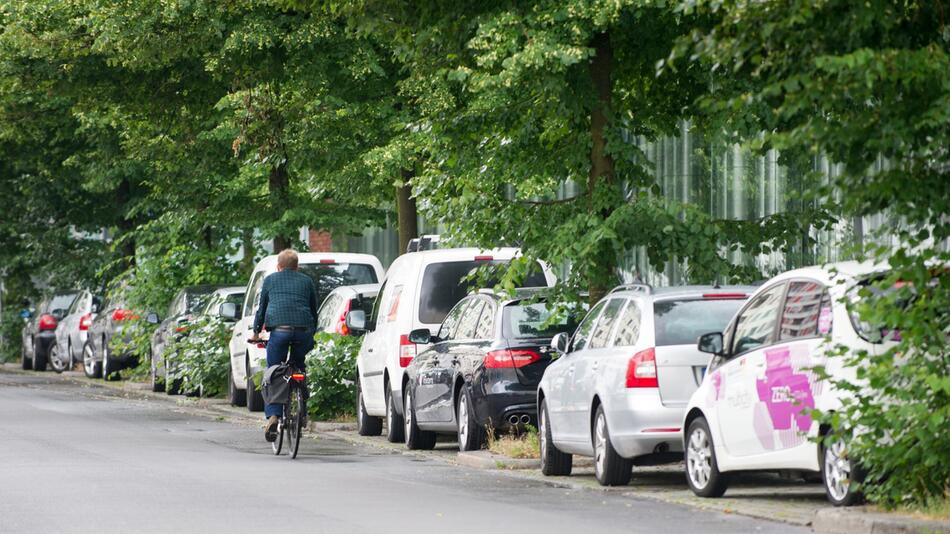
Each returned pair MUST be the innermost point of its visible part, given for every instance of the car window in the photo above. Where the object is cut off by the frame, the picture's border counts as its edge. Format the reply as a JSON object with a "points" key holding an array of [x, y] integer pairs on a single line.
{"points": [[755, 326], [443, 286], [469, 320], [329, 276], [196, 300], [374, 315], [582, 335], [253, 294], [805, 303], [392, 309], [327, 311], [628, 326], [486, 323], [61, 302], [450, 324], [524, 321], [600, 337], [78, 303], [235, 298], [681, 322]]}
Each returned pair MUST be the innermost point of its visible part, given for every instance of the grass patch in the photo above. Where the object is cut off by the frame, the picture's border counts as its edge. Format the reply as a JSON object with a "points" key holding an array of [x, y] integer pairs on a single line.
{"points": [[935, 509], [521, 445]]}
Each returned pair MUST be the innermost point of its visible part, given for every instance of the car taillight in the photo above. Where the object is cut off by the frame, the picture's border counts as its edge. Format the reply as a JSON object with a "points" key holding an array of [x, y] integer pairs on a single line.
{"points": [[341, 327], [47, 322], [407, 351], [641, 370], [85, 321], [123, 315], [724, 296], [501, 359], [183, 323], [328, 261]]}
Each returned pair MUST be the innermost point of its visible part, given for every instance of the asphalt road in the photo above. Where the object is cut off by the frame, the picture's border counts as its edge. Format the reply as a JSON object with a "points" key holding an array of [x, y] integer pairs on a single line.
{"points": [[75, 458]]}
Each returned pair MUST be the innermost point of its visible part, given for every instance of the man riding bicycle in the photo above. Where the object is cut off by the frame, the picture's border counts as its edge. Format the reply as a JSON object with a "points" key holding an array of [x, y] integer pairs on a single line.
{"points": [[288, 306]]}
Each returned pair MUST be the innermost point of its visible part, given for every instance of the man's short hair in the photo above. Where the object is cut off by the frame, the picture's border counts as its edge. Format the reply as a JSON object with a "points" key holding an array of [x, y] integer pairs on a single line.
{"points": [[287, 259]]}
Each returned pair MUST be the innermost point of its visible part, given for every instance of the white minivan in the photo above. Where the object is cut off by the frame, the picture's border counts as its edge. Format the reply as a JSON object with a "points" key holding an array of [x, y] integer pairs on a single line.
{"points": [[752, 411], [328, 270], [419, 290]]}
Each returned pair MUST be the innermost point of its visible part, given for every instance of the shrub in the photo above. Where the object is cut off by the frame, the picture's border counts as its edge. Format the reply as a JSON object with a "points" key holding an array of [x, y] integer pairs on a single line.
{"points": [[201, 359], [331, 369], [11, 326]]}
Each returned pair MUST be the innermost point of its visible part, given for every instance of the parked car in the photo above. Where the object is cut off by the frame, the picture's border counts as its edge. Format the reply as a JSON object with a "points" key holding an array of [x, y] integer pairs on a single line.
{"points": [[331, 318], [751, 411], [233, 295], [39, 332], [419, 290], [620, 389], [482, 370], [182, 310], [108, 341], [328, 271], [73, 330]]}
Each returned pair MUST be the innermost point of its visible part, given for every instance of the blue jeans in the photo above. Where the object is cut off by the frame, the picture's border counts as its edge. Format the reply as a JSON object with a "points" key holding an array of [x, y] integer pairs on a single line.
{"points": [[299, 343]]}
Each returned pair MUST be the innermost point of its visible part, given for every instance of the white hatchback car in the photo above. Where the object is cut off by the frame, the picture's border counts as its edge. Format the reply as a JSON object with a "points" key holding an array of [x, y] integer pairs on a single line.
{"points": [[419, 290], [328, 270], [751, 411], [620, 389]]}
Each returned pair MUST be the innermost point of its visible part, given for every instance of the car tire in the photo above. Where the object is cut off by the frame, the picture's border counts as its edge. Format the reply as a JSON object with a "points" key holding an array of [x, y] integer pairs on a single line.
{"points": [[55, 359], [109, 370], [237, 397], [366, 425], [839, 473], [25, 362], [702, 469], [416, 438], [553, 461], [394, 421], [172, 386], [157, 385], [39, 360], [90, 366], [255, 400], [610, 468], [471, 435]]}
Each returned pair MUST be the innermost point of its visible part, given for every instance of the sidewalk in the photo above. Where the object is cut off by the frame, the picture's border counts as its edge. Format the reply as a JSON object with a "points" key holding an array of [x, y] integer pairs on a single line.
{"points": [[762, 496]]}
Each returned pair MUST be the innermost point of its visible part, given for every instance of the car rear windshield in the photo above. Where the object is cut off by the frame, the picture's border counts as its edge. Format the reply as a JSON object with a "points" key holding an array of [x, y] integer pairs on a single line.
{"points": [[681, 322], [61, 302], [443, 286], [329, 276], [523, 321]]}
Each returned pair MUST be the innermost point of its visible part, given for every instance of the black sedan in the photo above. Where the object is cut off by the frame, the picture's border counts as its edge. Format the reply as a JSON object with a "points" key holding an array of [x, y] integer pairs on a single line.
{"points": [[482, 369]]}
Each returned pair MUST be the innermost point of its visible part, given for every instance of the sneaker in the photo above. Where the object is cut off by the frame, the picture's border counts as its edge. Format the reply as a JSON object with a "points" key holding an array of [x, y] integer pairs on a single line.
{"points": [[270, 429]]}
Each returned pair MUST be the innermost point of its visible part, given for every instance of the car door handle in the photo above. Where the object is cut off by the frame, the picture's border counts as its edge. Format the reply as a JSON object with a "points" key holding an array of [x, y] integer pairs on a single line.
{"points": [[238, 334], [369, 350]]}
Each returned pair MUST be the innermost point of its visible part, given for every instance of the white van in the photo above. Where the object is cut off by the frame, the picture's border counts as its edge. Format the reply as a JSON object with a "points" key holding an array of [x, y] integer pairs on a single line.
{"points": [[329, 270], [419, 290]]}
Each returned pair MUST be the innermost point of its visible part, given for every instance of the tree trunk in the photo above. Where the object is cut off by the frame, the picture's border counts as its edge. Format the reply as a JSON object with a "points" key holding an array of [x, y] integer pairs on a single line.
{"points": [[247, 240], [123, 197], [407, 218], [604, 262], [278, 184]]}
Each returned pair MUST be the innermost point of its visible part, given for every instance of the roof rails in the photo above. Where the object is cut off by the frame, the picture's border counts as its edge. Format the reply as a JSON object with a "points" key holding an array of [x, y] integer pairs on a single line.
{"points": [[639, 287], [426, 242]]}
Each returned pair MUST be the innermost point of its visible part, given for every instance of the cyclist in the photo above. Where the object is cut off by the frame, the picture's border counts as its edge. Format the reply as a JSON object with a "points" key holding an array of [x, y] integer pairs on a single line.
{"points": [[288, 306]]}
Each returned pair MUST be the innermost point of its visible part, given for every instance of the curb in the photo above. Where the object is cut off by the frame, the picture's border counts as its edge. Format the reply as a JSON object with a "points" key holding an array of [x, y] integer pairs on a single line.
{"points": [[862, 521], [487, 460]]}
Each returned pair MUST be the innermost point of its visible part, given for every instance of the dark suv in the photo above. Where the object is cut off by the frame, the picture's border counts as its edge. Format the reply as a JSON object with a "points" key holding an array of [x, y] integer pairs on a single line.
{"points": [[39, 332]]}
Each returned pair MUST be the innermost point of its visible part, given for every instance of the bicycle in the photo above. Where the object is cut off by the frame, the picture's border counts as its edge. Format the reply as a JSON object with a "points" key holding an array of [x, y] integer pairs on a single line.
{"points": [[294, 414]]}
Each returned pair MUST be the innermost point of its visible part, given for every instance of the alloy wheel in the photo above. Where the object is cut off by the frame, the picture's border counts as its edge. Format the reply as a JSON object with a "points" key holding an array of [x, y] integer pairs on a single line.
{"points": [[699, 458], [87, 362], [408, 410], [837, 470], [543, 434], [55, 358], [600, 443], [463, 421], [389, 410]]}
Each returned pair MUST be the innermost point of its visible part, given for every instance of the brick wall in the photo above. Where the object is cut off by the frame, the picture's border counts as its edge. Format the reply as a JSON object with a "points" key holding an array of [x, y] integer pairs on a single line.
{"points": [[320, 241]]}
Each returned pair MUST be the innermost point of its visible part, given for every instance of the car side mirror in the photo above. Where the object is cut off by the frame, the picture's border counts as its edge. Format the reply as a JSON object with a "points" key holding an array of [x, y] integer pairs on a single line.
{"points": [[421, 336], [560, 343], [356, 320], [711, 343], [152, 318], [228, 310]]}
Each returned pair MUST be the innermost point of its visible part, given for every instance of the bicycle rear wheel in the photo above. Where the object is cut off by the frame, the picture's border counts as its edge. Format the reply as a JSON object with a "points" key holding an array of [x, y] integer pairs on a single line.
{"points": [[295, 419], [279, 442]]}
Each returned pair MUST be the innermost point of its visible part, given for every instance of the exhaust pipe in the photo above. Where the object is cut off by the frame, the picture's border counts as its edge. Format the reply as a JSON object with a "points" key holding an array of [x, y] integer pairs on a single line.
{"points": [[513, 419], [525, 419], [661, 448]]}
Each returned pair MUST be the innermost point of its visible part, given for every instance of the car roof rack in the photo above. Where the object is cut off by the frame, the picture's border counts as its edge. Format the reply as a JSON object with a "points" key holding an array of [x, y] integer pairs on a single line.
{"points": [[639, 287]]}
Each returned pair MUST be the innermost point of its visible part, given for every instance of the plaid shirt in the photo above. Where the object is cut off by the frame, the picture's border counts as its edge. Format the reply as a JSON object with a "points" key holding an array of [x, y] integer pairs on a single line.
{"points": [[288, 298]]}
